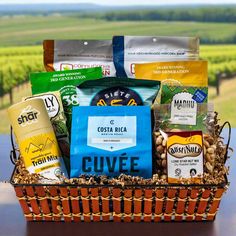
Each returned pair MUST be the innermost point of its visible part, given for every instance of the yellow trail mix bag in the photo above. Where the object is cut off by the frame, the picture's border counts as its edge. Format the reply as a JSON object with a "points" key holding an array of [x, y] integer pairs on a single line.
{"points": [[36, 139]]}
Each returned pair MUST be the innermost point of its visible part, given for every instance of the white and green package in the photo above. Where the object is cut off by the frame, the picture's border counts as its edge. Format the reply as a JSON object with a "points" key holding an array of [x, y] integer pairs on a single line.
{"points": [[117, 92], [65, 82], [54, 107]]}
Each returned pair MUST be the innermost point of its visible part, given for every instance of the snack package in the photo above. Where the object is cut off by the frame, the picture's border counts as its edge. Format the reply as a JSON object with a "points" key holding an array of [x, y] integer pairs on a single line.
{"points": [[54, 107], [184, 102], [77, 54], [131, 50], [184, 73], [111, 141], [185, 118], [36, 139], [184, 156], [65, 82], [114, 92]]}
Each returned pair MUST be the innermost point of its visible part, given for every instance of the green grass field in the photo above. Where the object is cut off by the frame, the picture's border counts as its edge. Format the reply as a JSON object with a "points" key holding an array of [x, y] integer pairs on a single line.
{"points": [[31, 30]]}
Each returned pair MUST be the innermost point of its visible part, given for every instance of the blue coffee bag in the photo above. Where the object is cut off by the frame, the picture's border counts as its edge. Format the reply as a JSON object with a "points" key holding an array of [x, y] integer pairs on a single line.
{"points": [[111, 140]]}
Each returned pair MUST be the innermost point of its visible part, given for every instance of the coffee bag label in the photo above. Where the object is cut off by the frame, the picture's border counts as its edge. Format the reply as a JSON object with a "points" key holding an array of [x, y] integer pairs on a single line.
{"points": [[185, 156], [183, 109], [112, 133]]}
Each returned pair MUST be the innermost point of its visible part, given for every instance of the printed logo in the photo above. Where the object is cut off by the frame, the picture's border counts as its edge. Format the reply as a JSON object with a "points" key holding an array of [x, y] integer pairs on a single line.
{"points": [[179, 150], [28, 116], [193, 172], [179, 102], [199, 96], [183, 109], [69, 97], [107, 68], [178, 172], [117, 96], [112, 133], [58, 172], [51, 103], [66, 66]]}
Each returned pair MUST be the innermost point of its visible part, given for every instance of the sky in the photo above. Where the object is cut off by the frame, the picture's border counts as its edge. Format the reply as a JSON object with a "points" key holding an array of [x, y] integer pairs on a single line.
{"points": [[121, 2]]}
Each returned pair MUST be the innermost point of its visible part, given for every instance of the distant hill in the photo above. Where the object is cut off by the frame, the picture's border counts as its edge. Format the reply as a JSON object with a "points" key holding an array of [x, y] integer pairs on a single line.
{"points": [[189, 12]]}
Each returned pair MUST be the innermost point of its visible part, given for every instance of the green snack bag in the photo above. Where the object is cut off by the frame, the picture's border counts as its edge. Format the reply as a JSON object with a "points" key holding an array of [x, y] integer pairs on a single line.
{"points": [[65, 82]]}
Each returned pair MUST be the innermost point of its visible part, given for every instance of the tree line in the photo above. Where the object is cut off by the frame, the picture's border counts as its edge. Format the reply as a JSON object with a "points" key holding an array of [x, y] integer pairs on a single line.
{"points": [[202, 14]]}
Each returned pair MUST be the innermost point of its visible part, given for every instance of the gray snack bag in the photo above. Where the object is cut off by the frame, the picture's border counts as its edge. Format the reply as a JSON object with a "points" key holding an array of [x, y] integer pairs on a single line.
{"points": [[77, 54], [131, 50]]}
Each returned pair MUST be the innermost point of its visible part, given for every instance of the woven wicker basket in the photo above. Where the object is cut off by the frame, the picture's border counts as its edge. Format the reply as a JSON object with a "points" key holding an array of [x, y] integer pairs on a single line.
{"points": [[133, 203], [114, 203]]}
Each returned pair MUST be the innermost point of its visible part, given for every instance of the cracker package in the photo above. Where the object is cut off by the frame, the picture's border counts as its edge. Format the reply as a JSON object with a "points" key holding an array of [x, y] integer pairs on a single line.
{"points": [[77, 54], [111, 141], [65, 82], [131, 50], [114, 92], [54, 107]]}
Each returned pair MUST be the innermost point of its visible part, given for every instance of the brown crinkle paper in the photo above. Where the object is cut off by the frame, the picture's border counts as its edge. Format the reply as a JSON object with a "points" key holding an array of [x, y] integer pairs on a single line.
{"points": [[215, 170]]}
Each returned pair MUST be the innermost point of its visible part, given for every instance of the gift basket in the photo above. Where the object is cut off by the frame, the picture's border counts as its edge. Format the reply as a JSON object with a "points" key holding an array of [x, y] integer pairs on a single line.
{"points": [[119, 131]]}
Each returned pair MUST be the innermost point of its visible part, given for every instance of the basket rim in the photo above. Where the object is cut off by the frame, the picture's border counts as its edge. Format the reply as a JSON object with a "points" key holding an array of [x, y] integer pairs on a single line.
{"points": [[221, 185]]}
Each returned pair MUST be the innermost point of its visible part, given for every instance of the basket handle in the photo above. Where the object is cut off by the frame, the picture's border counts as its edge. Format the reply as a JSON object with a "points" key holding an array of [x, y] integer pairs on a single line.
{"points": [[229, 137], [13, 155]]}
